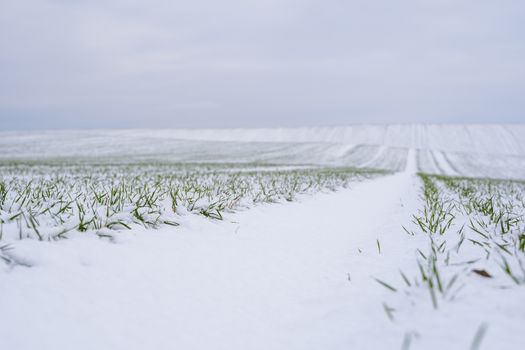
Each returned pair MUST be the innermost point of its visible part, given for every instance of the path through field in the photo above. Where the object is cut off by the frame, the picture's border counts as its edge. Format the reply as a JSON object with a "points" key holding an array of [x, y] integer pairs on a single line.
{"points": [[281, 276]]}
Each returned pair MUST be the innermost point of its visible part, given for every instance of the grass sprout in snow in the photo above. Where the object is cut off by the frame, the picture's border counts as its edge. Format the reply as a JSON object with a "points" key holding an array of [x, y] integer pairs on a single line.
{"points": [[49, 201], [475, 229]]}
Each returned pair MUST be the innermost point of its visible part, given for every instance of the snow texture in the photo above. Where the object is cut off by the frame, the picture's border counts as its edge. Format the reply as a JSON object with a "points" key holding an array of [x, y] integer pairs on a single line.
{"points": [[294, 275], [490, 150]]}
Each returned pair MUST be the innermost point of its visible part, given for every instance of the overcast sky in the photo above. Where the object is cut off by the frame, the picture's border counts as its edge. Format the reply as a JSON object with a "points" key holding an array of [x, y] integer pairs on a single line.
{"points": [[213, 63]]}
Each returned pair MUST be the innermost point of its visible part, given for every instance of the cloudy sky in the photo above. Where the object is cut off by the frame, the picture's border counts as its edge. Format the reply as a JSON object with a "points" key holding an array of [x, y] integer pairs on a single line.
{"points": [[213, 63]]}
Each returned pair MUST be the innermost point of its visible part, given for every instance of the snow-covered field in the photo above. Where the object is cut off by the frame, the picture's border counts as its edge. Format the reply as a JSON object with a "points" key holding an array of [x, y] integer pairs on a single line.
{"points": [[466, 150], [360, 237]]}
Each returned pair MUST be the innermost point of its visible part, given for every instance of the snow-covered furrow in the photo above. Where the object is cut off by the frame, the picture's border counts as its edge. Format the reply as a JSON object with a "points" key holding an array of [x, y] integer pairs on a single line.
{"points": [[147, 150], [434, 162], [467, 150], [471, 138], [293, 276], [493, 166], [490, 138], [301, 275], [391, 158], [361, 155], [472, 165]]}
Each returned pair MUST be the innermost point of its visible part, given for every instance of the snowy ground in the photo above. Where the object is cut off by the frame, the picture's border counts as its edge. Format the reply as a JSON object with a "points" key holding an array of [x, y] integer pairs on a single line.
{"points": [[496, 150], [297, 275]]}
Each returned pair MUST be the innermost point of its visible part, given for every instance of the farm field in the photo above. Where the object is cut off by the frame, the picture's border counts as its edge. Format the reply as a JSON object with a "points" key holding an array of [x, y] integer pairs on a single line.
{"points": [[359, 237]]}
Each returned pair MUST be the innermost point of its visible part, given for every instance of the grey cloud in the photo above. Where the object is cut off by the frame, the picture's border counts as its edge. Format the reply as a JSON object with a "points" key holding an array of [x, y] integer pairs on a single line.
{"points": [[259, 63]]}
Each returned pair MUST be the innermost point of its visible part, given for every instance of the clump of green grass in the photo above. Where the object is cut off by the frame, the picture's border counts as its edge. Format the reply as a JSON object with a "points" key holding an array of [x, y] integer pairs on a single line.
{"points": [[49, 201], [484, 214]]}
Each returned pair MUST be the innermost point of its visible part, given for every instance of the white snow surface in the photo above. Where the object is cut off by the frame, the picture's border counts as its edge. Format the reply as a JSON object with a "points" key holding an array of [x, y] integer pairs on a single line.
{"points": [[473, 138], [278, 276], [274, 277], [485, 150]]}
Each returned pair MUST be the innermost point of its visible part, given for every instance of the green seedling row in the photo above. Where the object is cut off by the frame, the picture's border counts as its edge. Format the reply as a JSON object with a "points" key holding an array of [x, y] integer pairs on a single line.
{"points": [[49, 202], [474, 229]]}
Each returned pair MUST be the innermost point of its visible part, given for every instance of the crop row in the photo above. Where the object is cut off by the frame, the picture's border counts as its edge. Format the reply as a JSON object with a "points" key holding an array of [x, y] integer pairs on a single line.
{"points": [[51, 201], [473, 227]]}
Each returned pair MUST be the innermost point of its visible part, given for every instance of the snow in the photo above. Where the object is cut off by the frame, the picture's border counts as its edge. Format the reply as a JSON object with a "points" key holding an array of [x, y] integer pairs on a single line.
{"points": [[468, 150], [471, 138], [235, 285], [294, 275]]}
